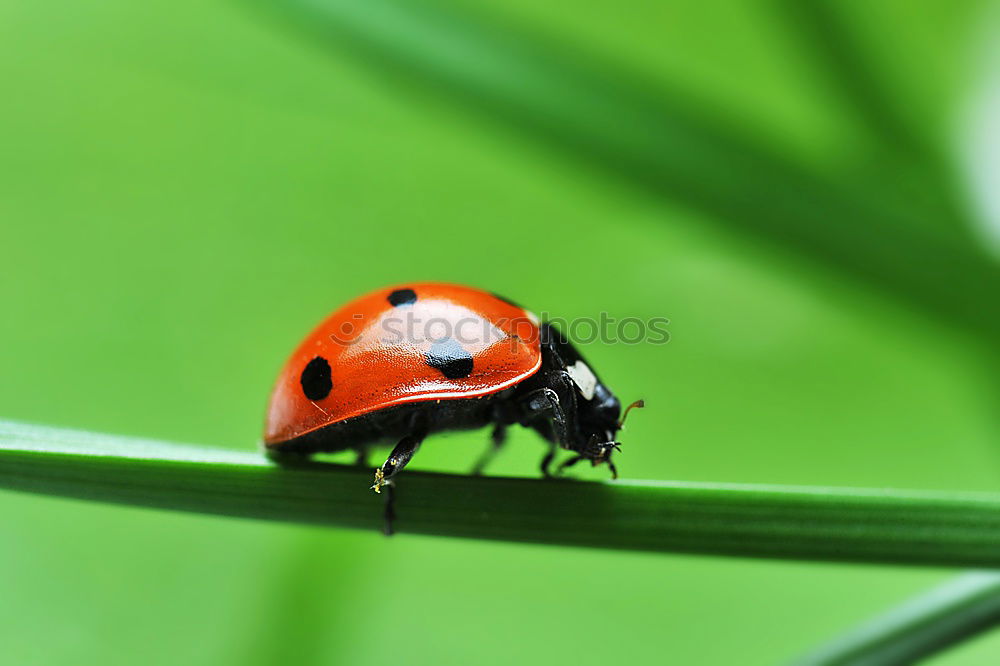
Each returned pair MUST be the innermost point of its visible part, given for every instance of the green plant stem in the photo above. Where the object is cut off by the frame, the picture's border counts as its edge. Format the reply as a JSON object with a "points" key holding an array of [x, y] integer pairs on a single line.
{"points": [[956, 610], [907, 527]]}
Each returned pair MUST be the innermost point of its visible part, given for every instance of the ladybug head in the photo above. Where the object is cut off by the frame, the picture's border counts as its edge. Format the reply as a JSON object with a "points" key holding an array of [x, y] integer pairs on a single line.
{"points": [[600, 445], [598, 451]]}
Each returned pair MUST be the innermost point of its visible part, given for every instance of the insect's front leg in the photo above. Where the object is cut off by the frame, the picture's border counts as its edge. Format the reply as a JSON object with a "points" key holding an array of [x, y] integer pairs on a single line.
{"points": [[545, 403], [397, 460]]}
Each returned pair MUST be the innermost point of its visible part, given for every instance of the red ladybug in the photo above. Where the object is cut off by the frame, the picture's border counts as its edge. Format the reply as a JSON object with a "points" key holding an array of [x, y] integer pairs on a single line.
{"points": [[403, 362]]}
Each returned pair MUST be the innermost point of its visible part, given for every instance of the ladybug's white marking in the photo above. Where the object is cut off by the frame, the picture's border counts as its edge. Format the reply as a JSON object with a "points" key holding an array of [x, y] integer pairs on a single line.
{"points": [[532, 317], [583, 378]]}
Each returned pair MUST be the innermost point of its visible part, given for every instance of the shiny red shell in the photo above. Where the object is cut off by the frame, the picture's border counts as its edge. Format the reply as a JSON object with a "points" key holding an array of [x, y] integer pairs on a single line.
{"points": [[381, 348]]}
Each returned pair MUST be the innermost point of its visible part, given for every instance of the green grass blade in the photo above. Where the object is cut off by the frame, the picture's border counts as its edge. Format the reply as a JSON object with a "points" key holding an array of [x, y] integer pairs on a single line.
{"points": [[657, 139], [906, 527], [826, 37], [944, 616]]}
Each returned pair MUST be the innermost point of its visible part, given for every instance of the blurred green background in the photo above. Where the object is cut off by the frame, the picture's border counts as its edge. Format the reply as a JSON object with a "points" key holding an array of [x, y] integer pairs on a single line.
{"points": [[187, 187]]}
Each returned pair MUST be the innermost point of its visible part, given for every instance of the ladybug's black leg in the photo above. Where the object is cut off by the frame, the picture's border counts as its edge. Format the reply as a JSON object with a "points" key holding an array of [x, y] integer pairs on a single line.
{"points": [[391, 467], [497, 440], [544, 403], [569, 463], [614, 470], [390, 509], [547, 461], [396, 461]]}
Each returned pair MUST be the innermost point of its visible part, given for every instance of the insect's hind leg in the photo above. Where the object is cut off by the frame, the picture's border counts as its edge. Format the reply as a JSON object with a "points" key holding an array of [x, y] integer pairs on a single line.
{"points": [[497, 439]]}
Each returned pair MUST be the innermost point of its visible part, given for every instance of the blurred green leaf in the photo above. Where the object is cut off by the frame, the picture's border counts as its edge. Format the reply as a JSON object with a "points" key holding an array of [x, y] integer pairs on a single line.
{"points": [[885, 230], [824, 33], [957, 529], [943, 616]]}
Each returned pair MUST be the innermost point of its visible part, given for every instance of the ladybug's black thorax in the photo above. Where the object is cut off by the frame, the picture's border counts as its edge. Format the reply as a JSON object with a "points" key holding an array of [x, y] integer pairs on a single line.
{"points": [[590, 409]]}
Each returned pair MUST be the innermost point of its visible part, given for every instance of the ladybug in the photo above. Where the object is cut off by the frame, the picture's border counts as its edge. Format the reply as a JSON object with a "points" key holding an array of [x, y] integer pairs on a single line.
{"points": [[403, 362]]}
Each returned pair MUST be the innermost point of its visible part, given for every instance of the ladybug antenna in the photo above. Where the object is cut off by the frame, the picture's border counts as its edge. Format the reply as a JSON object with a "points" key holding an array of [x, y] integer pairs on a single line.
{"points": [[637, 403]]}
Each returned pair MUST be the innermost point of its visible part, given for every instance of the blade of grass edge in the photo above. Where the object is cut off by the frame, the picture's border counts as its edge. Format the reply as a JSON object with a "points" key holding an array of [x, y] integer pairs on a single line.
{"points": [[774, 521], [956, 610], [826, 36]]}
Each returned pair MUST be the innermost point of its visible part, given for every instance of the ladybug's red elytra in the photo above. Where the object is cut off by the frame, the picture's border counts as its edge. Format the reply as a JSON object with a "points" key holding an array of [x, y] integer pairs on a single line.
{"points": [[403, 362]]}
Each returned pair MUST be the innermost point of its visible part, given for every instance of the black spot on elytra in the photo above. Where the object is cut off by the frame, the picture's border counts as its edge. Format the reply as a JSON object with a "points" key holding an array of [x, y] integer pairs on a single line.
{"points": [[450, 358], [402, 297], [316, 382]]}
